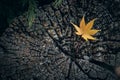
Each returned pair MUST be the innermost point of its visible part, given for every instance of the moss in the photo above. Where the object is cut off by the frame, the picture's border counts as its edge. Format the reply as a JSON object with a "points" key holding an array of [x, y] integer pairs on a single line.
{"points": [[57, 3], [31, 12], [14, 8]]}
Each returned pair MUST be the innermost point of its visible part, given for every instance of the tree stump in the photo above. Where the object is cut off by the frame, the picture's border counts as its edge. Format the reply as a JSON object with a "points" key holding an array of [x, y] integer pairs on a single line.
{"points": [[49, 50]]}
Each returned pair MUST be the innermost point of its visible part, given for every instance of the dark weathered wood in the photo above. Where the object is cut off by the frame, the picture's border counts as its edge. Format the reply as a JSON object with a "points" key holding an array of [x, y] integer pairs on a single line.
{"points": [[50, 50]]}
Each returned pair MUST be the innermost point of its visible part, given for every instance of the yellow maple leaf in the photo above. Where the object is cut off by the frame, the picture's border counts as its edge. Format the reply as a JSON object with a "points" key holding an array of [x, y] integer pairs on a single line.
{"points": [[85, 30]]}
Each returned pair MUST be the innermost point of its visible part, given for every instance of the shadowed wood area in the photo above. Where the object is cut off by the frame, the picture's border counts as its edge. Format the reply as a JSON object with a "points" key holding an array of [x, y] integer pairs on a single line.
{"points": [[50, 49]]}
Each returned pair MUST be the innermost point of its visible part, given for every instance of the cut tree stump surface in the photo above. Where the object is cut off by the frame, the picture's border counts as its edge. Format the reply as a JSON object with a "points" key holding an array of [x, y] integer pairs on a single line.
{"points": [[50, 49]]}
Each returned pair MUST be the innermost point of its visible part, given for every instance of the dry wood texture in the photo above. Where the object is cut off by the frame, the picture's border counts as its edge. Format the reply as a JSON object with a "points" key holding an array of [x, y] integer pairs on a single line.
{"points": [[50, 50]]}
